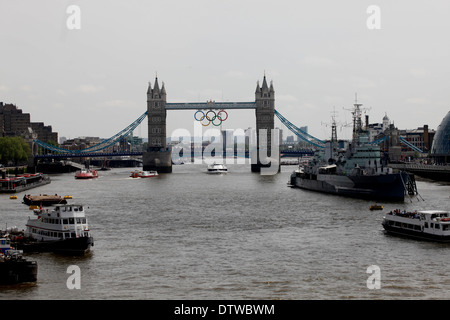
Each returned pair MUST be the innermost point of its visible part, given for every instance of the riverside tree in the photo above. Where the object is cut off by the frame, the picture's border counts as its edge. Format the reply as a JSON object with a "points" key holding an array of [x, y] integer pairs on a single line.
{"points": [[13, 149]]}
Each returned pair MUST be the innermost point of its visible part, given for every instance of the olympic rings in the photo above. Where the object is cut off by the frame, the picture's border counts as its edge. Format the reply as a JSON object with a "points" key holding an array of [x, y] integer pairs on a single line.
{"points": [[213, 117], [218, 115], [203, 117], [210, 117], [212, 121]]}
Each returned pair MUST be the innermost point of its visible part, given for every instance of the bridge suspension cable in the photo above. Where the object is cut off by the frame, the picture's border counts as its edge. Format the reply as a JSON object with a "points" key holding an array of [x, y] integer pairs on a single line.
{"points": [[410, 145], [299, 132], [99, 146]]}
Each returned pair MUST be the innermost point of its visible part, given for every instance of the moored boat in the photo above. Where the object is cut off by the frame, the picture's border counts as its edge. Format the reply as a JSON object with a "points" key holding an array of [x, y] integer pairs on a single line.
{"points": [[426, 224], [13, 267], [143, 174], [86, 174], [217, 168], [356, 170], [43, 200], [23, 182], [61, 229]]}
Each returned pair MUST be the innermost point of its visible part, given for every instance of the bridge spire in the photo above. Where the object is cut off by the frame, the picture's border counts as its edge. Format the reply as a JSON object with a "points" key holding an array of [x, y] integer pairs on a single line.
{"points": [[156, 87], [258, 88], [264, 85]]}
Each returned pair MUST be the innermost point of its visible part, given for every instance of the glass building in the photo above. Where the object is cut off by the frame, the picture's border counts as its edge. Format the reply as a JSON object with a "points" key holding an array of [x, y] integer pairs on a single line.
{"points": [[440, 150]]}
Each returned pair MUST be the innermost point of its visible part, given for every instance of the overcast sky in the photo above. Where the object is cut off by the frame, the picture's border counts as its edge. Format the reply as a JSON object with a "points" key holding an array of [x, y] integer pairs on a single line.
{"points": [[93, 81]]}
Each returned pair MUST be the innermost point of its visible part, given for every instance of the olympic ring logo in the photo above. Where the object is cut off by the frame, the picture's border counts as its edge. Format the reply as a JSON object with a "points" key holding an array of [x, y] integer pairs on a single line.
{"points": [[210, 117]]}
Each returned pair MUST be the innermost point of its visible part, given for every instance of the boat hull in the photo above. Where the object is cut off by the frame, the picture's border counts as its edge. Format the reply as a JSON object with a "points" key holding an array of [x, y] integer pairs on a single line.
{"points": [[389, 187], [12, 272], [71, 246], [415, 233]]}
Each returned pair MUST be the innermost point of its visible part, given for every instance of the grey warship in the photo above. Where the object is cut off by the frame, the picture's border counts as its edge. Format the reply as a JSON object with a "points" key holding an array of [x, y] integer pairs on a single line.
{"points": [[356, 171]]}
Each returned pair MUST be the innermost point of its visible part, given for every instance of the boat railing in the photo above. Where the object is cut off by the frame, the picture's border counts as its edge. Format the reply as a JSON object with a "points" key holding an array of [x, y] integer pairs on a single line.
{"points": [[405, 214]]}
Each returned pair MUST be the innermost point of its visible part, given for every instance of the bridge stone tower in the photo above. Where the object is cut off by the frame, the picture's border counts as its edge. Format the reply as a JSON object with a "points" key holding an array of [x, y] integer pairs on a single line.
{"points": [[157, 157], [265, 114]]}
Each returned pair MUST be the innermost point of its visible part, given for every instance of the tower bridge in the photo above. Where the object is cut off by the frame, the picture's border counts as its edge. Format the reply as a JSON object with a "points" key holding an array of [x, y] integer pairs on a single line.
{"points": [[158, 156]]}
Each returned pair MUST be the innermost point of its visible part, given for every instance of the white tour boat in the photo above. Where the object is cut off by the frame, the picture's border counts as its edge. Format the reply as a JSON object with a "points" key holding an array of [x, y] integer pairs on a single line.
{"points": [[217, 168], [427, 224], [63, 228], [143, 174]]}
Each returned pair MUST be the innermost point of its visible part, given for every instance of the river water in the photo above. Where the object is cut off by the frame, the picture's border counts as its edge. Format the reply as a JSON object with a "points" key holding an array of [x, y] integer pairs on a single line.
{"points": [[190, 235]]}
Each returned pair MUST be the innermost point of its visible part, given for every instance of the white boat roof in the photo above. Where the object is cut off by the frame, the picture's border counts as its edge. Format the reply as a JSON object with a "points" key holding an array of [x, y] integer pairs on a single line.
{"points": [[67, 205], [432, 211], [328, 167]]}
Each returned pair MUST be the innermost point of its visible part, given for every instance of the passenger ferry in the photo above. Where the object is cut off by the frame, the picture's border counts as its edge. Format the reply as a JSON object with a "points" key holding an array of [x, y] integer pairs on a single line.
{"points": [[61, 229], [217, 168], [22, 182], [428, 224], [143, 174]]}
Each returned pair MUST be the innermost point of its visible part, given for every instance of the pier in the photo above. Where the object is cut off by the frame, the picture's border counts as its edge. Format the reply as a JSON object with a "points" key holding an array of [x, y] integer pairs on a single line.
{"points": [[434, 172]]}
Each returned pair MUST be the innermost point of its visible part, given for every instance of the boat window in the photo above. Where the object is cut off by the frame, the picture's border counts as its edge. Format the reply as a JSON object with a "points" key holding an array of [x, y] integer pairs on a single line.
{"points": [[78, 220], [73, 235], [445, 227], [437, 226], [84, 221], [426, 224], [65, 221], [75, 209], [71, 221]]}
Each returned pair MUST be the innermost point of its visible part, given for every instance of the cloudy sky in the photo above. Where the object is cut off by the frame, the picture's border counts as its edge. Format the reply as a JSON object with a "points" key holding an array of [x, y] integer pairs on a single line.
{"points": [[92, 81]]}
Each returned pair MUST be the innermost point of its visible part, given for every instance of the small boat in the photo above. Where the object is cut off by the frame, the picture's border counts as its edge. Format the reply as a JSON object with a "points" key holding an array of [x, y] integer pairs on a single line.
{"points": [[376, 207], [13, 267], [63, 228], [143, 174], [427, 224], [43, 200], [13, 197], [86, 174], [217, 168]]}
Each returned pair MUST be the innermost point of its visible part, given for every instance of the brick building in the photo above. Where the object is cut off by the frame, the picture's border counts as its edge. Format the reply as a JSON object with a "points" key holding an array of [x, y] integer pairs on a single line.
{"points": [[13, 122]]}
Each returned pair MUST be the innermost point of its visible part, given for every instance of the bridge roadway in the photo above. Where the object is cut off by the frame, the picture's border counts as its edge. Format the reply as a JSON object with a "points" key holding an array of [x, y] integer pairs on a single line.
{"points": [[210, 105], [283, 153], [86, 155]]}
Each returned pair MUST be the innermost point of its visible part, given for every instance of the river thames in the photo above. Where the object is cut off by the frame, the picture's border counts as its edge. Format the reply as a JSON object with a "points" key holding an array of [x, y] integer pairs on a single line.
{"points": [[241, 235]]}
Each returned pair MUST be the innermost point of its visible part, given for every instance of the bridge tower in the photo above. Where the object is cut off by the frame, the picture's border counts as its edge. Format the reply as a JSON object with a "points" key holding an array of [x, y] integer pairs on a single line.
{"points": [[157, 156], [265, 114]]}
